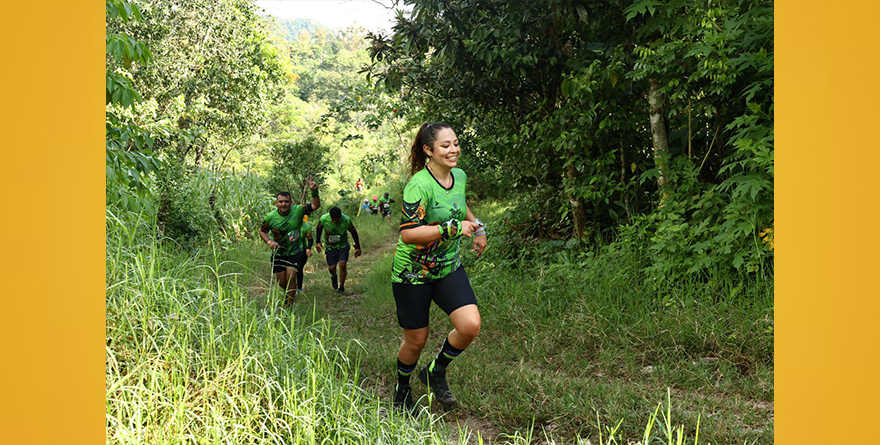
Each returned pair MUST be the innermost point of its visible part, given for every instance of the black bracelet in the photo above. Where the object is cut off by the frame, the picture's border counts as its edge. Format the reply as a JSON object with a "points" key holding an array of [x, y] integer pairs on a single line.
{"points": [[314, 193]]}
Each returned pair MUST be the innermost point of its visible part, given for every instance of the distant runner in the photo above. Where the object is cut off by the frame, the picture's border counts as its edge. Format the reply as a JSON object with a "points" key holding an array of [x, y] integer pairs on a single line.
{"points": [[427, 262], [337, 224], [284, 223], [385, 206]]}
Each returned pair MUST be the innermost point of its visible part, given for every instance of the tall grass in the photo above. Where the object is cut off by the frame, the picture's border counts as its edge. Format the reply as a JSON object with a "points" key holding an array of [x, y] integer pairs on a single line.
{"points": [[193, 358]]}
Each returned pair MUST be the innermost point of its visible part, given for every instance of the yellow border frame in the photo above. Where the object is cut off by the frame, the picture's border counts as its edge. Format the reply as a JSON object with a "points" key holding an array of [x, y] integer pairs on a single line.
{"points": [[52, 172], [827, 237]]}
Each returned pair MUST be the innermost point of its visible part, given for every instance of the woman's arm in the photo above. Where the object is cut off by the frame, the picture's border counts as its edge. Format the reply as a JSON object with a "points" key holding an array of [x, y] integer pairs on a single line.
{"points": [[420, 235], [429, 234]]}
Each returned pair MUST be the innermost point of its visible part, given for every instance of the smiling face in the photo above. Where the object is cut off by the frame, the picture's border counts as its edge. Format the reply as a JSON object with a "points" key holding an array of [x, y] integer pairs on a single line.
{"points": [[445, 151], [283, 204]]}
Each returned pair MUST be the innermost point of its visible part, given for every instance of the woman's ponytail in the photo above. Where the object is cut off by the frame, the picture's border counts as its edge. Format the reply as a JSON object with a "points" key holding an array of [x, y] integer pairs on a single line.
{"points": [[426, 135]]}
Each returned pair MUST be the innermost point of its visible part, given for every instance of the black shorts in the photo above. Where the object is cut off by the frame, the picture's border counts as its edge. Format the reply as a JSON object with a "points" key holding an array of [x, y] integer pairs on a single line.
{"points": [[414, 300], [280, 263], [338, 255]]}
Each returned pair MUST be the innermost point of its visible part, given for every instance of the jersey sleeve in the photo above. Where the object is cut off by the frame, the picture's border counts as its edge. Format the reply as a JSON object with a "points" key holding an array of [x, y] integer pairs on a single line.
{"points": [[413, 208], [264, 227]]}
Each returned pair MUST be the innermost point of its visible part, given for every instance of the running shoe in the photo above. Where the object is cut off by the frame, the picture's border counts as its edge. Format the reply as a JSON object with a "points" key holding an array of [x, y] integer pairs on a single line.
{"points": [[436, 381], [340, 290], [403, 398], [333, 281]]}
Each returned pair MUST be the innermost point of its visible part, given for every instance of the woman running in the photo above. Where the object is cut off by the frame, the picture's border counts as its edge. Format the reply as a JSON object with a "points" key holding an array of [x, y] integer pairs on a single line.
{"points": [[427, 262]]}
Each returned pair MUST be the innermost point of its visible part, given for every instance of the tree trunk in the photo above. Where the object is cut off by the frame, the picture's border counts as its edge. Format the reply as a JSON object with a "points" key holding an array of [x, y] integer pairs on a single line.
{"points": [[577, 209], [623, 186], [656, 101]]}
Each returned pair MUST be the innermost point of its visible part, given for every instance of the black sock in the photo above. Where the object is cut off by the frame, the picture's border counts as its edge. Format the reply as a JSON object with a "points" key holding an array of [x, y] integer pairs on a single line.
{"points": [[447, 353], [403, 373]]}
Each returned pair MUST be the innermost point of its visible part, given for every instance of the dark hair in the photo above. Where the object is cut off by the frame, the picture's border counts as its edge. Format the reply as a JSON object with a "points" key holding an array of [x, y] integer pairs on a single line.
{"points": [[335, 212], [287, 194], [426, 135]]}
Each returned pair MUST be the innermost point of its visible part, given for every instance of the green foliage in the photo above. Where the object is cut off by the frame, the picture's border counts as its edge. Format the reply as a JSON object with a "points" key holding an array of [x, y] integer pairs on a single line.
{"points": [[329, 101], [554, 94], [696, 230], [294, 162], [197, 206], [211, 57], [129, 145]]}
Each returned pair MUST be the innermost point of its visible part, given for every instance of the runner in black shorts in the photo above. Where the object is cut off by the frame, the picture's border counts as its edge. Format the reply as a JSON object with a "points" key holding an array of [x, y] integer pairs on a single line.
{"points": [[284, 224], [427, 262], [337, 225], [385, 206]]}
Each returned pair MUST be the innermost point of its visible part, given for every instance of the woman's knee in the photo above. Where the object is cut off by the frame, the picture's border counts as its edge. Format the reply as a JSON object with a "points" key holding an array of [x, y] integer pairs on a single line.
{"points": [[469, 327]]}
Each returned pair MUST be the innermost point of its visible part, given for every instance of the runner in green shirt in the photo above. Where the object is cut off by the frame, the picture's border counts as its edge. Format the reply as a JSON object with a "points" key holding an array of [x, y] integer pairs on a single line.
{"points": [[427, 262], [337, 224], [284, 224], [385, 206]]}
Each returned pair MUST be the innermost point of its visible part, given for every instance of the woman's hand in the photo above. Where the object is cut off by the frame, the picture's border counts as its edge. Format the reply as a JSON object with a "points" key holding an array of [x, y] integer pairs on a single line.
{"points": [[479, 245], [468, 228]]}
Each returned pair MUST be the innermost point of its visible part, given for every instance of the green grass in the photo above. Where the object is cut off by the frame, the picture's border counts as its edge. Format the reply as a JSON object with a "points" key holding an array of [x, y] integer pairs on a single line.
{"points": [[572, 348], [566, 340]]}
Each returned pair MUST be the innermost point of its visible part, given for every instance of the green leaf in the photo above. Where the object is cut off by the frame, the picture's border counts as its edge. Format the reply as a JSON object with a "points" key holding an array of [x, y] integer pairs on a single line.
{"points": [[566, 87]]}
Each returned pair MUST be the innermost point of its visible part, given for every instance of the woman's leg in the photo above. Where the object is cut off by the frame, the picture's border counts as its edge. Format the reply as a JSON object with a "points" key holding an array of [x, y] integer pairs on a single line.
{"points": [[413, 304], [413, 343], [456, 297], [466, 325]]}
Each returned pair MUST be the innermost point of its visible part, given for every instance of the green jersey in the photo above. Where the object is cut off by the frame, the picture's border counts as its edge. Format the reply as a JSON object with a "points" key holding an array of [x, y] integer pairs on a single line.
{"points": [[385, 204], [305, 236], [337, 234], [426, 202], [285, 230]]}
